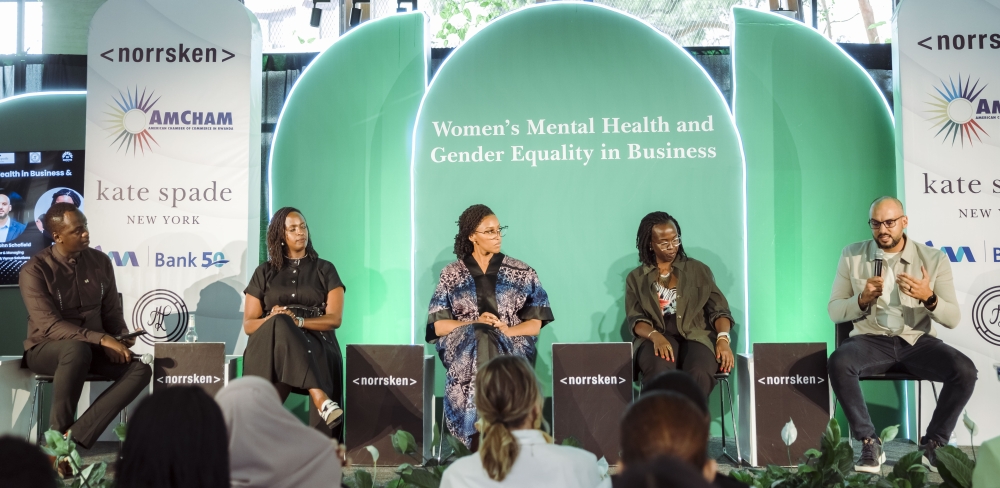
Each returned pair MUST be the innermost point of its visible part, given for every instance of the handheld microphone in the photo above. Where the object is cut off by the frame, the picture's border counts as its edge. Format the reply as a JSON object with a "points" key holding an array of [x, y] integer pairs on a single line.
{"points": [[121, 337], [879, 256], [144, 359]]}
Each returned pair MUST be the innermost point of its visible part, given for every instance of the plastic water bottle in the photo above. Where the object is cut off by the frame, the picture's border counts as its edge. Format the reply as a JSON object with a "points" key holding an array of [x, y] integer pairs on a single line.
{"points": [[192, 333]]}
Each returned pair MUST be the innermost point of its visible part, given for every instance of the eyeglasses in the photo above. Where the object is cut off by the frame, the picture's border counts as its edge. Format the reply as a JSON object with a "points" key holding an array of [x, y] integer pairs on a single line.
{"points": [[889, 224], [493, 233], [673, 244]]}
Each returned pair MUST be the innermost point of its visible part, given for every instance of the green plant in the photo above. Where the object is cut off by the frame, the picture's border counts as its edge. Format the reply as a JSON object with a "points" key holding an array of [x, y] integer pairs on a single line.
{"points": [[65, 450], [425, 473]]}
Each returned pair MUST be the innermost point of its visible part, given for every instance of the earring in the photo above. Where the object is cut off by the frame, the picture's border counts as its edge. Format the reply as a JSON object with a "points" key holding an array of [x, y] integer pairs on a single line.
{"points": [[282, 243]]}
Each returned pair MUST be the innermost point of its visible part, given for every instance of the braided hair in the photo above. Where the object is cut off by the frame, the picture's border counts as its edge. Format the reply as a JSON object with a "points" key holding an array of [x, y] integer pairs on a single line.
{"points": [[644, 238], [276, 238], [467, 223]]}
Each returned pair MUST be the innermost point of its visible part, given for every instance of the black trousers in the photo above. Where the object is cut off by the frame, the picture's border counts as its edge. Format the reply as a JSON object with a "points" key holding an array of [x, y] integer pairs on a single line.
{"points": [[280, 352], [691, 357], [69, 362], [929, 359]]}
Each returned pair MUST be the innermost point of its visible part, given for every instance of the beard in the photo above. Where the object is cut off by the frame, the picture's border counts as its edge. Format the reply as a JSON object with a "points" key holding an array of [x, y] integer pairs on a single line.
{"points": [[893, 244]]}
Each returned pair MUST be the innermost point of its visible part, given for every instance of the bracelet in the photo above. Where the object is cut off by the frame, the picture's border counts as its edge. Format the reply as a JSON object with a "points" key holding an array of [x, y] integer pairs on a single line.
{"points": [[650, 335], [723, 337]]}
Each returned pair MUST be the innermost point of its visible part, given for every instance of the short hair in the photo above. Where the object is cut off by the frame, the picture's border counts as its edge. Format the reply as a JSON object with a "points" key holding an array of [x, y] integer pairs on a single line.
{"points": [[644, 236], [678, 382], [176, 438], [24, 465], [507, 392], [884, 198], [66, 192], [467, 224], [664, 424], [55, 216]]}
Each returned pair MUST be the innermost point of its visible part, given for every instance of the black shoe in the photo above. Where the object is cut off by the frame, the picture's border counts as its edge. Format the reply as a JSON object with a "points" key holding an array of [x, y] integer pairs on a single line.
{"points": [[872, 456], [929, 446]]}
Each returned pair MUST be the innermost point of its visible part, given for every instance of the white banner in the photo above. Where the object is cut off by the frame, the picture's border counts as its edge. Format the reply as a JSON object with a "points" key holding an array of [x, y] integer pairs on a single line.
{"points": [[173, 161], [945, 58]]}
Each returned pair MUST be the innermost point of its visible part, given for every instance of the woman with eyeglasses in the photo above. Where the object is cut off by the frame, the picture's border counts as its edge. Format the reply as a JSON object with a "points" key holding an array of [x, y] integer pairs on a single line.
{"points": [[485, 305], [678, 316]]}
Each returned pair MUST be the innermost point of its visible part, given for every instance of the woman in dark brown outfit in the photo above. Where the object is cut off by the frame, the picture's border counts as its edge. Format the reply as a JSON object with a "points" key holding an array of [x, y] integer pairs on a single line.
{"points": [[293, 344]]}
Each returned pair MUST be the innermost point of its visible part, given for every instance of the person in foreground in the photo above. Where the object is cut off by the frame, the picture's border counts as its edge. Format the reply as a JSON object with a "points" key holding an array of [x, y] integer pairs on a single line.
{"points": [[678, 316], [486, 304], [73, 315], [513, 451], [665, 424], [23, 465], [293, 306], [268, 446], [892, 315], [176, 439]]}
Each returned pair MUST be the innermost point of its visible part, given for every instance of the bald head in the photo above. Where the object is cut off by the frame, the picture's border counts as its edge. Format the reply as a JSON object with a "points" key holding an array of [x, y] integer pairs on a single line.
{"points": [[887, 203]]}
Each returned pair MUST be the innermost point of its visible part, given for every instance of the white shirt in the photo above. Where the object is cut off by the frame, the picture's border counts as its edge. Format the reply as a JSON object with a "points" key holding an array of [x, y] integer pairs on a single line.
{"points": [[538, 464], [890, 308], [4, 230]]}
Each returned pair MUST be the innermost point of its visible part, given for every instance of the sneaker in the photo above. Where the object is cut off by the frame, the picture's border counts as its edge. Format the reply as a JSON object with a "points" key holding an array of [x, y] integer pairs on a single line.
{"points": [[872, 456], [929, 446], [331, 413]]}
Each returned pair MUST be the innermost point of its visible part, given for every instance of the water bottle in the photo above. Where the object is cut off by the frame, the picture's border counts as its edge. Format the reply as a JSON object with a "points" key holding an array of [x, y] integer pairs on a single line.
{"points": [[192, 334]]}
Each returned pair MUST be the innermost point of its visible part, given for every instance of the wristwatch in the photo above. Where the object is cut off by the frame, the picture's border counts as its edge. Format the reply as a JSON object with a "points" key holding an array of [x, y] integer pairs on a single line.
{"points": [[931, 300], [300, 321]]}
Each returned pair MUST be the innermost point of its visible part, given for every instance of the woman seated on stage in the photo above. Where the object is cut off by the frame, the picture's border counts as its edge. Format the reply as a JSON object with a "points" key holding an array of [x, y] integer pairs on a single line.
{"points": [[486, 304], [513, 451], [293, 306], [678, 316]]}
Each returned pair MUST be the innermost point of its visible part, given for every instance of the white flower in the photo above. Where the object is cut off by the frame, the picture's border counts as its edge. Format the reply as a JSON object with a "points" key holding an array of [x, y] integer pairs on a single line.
{"points": [[969, 424], [602, 467], [789, 433], [458, 20]]}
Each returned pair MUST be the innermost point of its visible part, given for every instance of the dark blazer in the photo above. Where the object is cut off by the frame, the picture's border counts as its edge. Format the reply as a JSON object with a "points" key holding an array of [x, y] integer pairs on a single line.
{"points": [[15, 230], [699, 302]]}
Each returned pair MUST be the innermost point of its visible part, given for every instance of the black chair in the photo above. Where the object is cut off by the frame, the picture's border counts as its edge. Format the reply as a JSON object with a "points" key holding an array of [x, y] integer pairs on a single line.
{"points": [[723, 379], [843, 333], [36, 405]]}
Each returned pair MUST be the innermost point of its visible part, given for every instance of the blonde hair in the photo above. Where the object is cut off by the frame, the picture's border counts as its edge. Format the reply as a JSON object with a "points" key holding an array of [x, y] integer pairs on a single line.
{"points": [[507, 394]]}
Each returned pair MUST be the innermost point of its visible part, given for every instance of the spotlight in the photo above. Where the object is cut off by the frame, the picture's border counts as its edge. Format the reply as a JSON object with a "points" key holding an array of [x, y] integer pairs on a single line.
{"points": [[406, 5], [317, 13]]}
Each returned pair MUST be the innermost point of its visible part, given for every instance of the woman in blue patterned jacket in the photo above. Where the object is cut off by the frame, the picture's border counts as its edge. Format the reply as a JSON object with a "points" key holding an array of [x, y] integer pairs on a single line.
{"points": [[486, 304]]}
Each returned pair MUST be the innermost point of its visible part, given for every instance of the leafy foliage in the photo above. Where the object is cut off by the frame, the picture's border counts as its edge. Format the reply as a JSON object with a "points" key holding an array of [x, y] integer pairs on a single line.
{"points": [[426, 473], [64, 450]]}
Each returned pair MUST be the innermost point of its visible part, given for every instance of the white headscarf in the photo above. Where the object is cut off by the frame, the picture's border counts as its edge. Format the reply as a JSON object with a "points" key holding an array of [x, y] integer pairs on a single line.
{"points": [[270, 447]]}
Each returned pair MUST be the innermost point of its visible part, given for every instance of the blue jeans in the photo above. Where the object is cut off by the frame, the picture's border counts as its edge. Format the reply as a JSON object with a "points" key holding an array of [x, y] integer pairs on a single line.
{"points": [[929, 359]]}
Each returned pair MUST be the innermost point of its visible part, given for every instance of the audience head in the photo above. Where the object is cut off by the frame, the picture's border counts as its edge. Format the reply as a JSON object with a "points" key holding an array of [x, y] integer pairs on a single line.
{"points": [[287, 233], [660, 472], [176, 439], [5, 206], [884, 211], [478, 228], [67, 196], [68, 227], [656, 238], [507, 398], [666, 424], [23, 465], [680, 383]]}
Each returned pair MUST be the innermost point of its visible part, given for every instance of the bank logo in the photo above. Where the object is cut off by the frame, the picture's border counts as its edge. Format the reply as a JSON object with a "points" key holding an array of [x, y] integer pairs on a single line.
{"points": [[384, 381], [986, 315], [162, 314], [126, 121], [954, 111], [592, 380]]}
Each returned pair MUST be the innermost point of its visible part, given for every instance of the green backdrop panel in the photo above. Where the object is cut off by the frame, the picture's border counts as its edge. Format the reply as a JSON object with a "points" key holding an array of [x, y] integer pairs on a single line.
{"points": [[572, 219], [818, 138], [341, 154], [38, 122]]}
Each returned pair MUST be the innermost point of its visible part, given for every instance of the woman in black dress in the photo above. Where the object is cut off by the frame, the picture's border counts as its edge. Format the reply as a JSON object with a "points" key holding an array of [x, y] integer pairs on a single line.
{"points": [[294, 303]]}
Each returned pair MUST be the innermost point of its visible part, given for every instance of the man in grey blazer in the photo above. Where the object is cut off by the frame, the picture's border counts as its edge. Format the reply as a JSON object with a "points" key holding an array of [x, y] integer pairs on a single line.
{"points": [[893, 330]]}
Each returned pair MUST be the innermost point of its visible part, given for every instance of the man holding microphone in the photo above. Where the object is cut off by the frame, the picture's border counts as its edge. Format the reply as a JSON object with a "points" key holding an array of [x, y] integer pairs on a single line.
{"points": [[892, 315], [73, 313]]}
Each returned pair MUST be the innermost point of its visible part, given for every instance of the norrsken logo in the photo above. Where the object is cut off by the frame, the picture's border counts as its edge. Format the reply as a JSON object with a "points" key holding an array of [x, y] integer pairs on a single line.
{"points": [[954, 110], [131, 118], [162, 314], [384, 381], [986, 315], [956, 254]]}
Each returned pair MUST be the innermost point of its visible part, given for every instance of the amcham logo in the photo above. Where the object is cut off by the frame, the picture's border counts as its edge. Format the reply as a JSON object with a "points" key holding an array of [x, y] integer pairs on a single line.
{"points": [[954, 111], [126, 121]]}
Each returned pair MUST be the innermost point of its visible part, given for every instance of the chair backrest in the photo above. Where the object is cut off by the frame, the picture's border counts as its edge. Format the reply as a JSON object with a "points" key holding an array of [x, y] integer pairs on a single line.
{"points": [[843, 332]]}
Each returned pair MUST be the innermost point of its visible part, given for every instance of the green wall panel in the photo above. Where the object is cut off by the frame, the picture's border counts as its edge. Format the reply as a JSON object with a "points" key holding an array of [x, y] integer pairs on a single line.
{"points": [[818, 138], [341, 154]]}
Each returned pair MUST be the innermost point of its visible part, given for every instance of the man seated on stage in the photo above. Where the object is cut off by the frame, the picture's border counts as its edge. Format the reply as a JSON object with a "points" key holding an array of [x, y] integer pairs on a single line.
{"points": [[892, 315], [73, 312], [9, 228]]}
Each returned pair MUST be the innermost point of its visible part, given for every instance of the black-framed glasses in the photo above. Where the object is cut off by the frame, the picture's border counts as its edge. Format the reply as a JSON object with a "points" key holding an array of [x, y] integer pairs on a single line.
{"points": [[672, 244], [492, 233], [889, 224]]}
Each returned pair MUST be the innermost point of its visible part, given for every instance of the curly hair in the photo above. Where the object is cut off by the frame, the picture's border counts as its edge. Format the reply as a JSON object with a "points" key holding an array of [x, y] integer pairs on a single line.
{"points": [[644, 237], [467, 223], [66, 192], [276, 238]]}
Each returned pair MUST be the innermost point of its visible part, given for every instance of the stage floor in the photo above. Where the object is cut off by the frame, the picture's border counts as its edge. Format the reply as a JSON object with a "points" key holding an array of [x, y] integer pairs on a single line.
{"points": [[106, 451]]}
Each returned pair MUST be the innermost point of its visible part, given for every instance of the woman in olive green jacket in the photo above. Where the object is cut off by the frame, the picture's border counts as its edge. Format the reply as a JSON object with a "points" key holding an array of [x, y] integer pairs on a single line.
{"points": [[678, 317]]}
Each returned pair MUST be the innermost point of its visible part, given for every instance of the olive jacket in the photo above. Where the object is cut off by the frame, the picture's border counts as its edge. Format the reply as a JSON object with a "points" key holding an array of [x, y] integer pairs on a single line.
{"points": [[699, 302]]}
